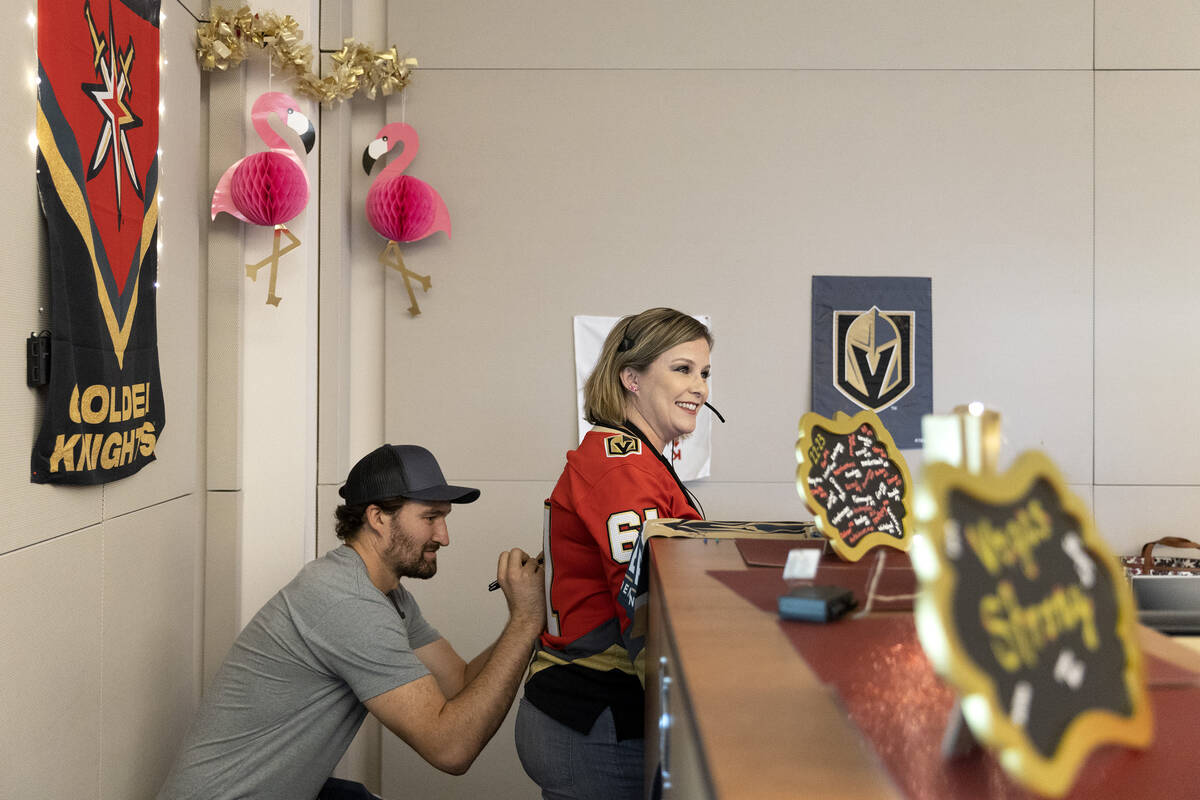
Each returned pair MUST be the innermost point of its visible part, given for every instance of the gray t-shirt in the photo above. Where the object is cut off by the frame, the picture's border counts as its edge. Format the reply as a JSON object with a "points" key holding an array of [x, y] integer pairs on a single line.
{"points": [[288, 699]]}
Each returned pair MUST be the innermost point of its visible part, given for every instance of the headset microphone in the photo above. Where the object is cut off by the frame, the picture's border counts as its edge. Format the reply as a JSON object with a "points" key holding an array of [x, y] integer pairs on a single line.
{"points": [[714, 410]]}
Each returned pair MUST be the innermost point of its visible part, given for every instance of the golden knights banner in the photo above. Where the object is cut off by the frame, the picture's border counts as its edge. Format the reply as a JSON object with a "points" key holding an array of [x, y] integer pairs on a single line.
{"points": [[872, 348], [97, 131]]}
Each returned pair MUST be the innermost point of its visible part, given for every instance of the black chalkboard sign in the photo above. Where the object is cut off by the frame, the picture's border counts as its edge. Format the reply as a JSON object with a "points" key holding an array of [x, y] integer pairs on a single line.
{"points": [[1023, 609], [855, 481]]}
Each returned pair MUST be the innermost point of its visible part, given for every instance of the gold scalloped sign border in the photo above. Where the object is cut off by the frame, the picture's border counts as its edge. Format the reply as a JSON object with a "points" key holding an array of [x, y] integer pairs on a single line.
{"points": [[991, 724], [843, 425]]}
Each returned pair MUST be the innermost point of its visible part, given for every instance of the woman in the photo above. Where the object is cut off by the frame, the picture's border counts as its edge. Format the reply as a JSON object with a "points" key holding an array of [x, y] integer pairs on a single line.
{"points": [[580, 724]]}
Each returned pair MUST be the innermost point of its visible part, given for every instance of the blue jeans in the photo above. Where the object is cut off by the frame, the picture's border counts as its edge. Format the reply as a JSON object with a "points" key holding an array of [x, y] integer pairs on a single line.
{"points": [[338, 789], [569, 765]]}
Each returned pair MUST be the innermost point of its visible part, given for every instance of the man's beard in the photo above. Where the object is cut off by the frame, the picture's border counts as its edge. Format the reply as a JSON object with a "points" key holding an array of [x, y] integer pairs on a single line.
{"points": [[407, 558]]}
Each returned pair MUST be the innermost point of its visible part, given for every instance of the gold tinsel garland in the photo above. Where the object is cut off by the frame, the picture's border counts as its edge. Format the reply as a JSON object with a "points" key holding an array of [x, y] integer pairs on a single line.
{"points": [[221, 43]]}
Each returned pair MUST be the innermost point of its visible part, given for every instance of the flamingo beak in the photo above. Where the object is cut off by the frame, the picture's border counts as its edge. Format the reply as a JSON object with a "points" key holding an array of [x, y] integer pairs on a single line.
{"points": [[308, 138], [301, 125], [374, 152]]}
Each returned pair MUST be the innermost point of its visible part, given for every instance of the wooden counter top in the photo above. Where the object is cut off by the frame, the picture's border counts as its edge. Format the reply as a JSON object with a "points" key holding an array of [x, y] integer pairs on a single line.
{"points": [[766, 726], [749, 717]]}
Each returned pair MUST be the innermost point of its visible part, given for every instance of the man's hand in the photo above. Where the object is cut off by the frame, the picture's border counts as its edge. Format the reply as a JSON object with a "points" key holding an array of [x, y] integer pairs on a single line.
{"points": [[523, 582], [448, 716]]}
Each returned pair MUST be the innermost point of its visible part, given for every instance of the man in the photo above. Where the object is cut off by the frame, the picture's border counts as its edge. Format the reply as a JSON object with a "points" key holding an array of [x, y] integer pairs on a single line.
{"points": [[344, 638]]}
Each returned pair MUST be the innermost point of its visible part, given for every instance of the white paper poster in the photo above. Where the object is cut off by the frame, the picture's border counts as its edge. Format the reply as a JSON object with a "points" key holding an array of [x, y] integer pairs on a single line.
{"points": [[691, 456]]}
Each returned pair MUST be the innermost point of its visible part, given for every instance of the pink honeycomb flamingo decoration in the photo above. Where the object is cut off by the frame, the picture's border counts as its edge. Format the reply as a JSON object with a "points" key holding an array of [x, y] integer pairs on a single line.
{"points": [[270, 187], [400, 207]]}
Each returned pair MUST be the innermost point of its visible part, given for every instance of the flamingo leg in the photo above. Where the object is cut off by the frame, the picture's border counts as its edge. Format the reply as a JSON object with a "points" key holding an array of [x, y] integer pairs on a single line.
{"points": [[273, 260], [390, 257]]}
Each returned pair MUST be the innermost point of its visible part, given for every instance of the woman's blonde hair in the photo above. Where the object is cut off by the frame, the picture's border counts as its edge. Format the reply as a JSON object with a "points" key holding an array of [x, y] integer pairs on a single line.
{"points": [[634, 342]]}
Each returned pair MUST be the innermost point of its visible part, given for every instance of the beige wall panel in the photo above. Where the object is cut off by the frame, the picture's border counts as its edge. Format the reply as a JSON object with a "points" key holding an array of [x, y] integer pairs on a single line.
{"points": [[335, 342], [151, 645], [1123, 521], [39, 512], [1147, 237], [222, 584], [508, 514], [726, 34], [351, 307], [366, 359], [225, 323], [327, 500], [183, 211], [760, 501], [42, 511], [1147, 34], [355, 426], [723, 193], [50, 652]]}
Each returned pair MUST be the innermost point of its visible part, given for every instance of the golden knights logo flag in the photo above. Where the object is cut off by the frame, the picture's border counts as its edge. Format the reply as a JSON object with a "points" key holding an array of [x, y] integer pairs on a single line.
{"points": [[97, 162], [872, 349]]}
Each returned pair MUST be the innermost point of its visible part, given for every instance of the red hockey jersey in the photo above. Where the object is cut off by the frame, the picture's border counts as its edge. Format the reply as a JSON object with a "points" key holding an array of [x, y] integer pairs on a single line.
{"points": [[611, 484]]}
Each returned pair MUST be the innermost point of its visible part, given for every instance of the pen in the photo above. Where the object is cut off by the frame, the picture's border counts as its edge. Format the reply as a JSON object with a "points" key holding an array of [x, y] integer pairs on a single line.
{"points": [[494, 585]]}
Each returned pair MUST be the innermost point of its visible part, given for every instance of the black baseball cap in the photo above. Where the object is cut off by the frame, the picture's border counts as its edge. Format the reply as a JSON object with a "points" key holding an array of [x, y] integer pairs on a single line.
{"points": [[401, 470]]}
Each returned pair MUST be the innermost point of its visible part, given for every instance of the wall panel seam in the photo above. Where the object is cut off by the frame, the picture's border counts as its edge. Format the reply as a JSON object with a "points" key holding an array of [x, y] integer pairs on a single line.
{"points": [[152, 505], [49, 539]]}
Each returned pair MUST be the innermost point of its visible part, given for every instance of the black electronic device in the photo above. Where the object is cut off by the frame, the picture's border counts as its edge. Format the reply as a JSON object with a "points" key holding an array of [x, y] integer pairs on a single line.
{"points": [[816, 603], [37, 359]]}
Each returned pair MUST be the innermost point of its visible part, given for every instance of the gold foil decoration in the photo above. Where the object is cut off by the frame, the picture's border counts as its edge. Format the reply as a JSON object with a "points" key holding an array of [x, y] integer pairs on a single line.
{"points": [[221, 43]]}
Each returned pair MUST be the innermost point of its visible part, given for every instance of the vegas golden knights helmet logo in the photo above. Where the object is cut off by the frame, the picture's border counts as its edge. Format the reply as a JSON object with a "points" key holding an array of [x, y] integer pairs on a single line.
{"points": [[873, 355], [622, 445]]}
